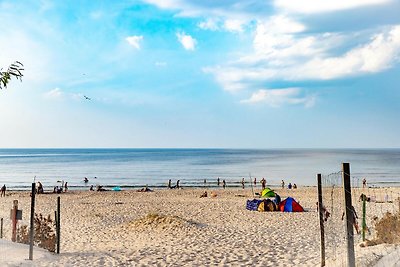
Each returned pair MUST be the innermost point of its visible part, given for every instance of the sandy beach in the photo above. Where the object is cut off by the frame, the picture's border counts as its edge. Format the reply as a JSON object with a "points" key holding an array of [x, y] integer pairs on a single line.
{"points": [[178, 228]]}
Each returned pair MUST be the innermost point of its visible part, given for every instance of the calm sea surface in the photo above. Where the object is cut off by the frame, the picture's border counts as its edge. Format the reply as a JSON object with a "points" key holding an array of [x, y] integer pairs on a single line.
{"points": [[138, 167]]}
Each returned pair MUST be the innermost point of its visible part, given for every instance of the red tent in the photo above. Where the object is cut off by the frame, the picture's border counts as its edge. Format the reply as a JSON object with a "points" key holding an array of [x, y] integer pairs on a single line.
{"points": [[290, 205]]}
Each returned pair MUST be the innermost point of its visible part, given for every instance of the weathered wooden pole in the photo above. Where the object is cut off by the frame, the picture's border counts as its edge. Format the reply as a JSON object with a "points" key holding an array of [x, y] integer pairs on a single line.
{"points": [[321, 219], [32, 231], [58, 224], [351, 262], [1, 228], [14, 221]]}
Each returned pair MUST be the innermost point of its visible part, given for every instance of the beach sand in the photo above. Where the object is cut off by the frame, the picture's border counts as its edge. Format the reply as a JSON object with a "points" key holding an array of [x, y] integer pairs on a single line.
{"points": [[178, 228]]}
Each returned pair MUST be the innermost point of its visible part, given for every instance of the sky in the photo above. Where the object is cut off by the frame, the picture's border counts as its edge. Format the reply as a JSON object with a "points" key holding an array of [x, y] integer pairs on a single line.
{"points": [[201, 74]]}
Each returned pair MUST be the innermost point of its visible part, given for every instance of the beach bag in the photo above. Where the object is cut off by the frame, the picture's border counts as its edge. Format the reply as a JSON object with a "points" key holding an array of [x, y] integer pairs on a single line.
{"points": [[252, 204]]}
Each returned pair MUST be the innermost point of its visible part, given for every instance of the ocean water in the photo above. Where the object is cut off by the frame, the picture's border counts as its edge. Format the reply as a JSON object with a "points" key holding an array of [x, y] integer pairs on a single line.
{"points": [[138, 167]]}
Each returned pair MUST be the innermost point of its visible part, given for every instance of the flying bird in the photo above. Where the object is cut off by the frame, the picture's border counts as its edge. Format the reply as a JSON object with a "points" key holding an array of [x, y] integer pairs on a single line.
{"points": [[87, 98]]}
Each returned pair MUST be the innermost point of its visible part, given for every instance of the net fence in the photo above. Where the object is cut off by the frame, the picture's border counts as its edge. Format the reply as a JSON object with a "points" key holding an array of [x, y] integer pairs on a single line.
{"points": [[376, 228]]}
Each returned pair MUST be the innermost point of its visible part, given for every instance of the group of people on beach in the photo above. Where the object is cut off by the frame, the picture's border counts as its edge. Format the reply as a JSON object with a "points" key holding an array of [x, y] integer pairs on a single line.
{"points": [[170, 186], [39, 189], [263, 183]]}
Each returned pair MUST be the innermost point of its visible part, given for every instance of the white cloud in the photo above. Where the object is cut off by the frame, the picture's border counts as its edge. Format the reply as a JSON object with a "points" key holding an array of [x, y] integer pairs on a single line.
{"points": [[291, 58], [209, 24], [318, 6], [232, 15], [279, 97], [187, 41], [56, 93], [134, 40], [234, 25], [378, 55]]}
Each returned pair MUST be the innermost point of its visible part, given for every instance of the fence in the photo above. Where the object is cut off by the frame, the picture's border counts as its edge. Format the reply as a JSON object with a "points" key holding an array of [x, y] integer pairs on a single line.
{"points": [[46, 225], [373, 229]]}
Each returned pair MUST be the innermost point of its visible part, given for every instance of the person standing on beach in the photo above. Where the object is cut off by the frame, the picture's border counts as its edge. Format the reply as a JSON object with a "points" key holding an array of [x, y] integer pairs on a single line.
{"points": [[243, 183], [255, 181], [364, 182], [3, 191], [223, 183], [177, 184], [66, 187], [283, 184], [169, 184], [263, 183], [218, 181]]}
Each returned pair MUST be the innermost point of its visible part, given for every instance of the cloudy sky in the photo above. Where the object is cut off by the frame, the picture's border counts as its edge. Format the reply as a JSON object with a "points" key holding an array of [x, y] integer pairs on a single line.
{"points": [[191, 73]]}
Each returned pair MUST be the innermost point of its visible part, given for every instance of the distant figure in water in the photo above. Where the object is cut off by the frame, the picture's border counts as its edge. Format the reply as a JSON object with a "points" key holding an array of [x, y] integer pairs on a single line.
{"points": [[177, 184], [218, 182], [91, 188], [86, 180], [169, 184], [100, 188], [243, 183], [205, 181], [255, 181], [223, 184]]}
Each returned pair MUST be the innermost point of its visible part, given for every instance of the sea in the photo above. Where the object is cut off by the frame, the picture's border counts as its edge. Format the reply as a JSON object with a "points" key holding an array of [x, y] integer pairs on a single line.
{"points": [[135, 168]]}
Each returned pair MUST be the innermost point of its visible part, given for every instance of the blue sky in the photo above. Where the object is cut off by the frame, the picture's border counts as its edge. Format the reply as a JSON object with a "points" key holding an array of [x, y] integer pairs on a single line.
{"points": [[190, 73]]}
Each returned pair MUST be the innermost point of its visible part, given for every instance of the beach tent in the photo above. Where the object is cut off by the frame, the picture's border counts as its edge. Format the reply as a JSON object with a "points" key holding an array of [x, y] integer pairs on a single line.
{"points": [[290, 205], [267, 205], [267, 192]]}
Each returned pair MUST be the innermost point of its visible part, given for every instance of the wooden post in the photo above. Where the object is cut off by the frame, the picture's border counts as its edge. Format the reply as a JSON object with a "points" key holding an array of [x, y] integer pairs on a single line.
{"points": [[321, 219], [58, 225], [32, 231], [1, 228], [351, 262], [364, 221], [14, 221]]}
